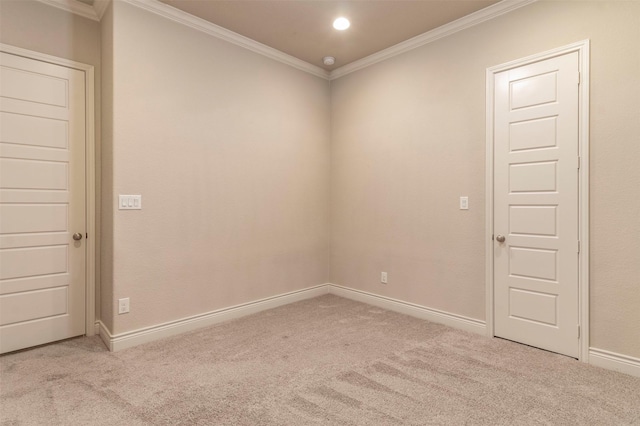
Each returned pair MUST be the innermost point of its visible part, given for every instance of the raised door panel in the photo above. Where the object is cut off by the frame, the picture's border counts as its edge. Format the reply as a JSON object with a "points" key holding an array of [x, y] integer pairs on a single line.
{"points": [[42, 202], [536, 204]]}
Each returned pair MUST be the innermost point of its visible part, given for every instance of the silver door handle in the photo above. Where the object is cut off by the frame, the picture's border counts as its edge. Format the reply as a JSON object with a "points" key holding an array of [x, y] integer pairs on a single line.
{"points": [[77, 236], [500, 238]]}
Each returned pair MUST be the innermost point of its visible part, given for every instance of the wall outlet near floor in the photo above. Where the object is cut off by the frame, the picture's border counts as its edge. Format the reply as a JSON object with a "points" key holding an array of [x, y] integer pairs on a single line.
{"points": [[383, 277], [123, 306]]}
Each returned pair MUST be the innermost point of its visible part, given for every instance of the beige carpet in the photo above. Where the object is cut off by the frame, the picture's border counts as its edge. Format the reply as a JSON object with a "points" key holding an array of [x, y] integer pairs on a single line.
{"points": [[328, 361]]}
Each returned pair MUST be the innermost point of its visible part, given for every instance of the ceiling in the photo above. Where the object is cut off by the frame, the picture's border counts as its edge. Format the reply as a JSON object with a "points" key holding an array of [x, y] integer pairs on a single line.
{"points": [[303, 28]]}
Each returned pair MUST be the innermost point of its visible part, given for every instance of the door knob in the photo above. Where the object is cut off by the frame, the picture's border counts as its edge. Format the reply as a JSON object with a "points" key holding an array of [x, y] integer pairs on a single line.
{"points": [[500, 238], [77, 236]]}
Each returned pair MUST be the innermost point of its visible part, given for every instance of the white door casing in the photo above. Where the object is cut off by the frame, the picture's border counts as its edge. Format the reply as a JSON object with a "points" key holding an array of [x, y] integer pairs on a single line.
{"points": [[42, 202], [536, 278]]}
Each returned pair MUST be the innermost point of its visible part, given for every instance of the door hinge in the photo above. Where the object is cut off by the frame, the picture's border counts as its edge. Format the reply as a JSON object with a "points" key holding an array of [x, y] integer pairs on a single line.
{"points": [[579, 78], [578, 331], [579, 161], [578, 246]]}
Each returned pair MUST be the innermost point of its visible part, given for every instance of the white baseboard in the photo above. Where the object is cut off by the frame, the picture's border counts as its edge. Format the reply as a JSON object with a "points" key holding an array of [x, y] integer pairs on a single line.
{"points": [[148, 334], [598, 357], [104, 334], [136, 337], [614, 361], [452, 320]]}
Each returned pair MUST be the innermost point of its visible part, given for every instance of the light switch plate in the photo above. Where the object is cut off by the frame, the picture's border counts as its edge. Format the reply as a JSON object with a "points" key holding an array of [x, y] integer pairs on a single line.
{"points": [[464, 203], [123, 306], [130, 202]]}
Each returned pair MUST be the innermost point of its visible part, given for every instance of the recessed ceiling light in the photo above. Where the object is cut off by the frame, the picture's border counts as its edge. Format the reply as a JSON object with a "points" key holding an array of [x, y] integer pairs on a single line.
{"points": [[341, 24]]}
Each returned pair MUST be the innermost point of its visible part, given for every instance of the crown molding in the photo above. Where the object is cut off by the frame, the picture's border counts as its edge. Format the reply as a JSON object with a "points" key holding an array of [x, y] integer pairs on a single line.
{"points": [[97, 11], [463, 23], [207, 27], [75, 7]]}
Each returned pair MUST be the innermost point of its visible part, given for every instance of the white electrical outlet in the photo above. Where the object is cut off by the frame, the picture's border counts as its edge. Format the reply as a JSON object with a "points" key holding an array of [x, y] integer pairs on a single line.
{"points": [[123, 306], [464, 203], [383, 277]]}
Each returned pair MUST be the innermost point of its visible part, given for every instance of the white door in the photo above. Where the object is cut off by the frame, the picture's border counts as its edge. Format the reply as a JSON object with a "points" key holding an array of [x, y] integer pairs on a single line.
{"points": [[42, 202], [536, 167]]}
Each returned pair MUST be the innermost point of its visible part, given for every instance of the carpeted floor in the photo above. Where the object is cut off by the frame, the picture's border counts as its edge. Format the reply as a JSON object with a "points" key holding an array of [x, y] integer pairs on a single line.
{"points": [[328, 361]]}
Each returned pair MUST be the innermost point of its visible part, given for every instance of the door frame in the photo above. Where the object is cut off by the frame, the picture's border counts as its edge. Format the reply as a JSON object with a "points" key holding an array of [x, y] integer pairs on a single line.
{"points": [[582, 47], [90, 172]]}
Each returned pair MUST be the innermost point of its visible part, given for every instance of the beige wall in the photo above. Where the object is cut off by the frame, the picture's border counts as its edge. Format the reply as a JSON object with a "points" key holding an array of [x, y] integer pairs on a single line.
{"points": [[106, 288], [408, 139], [230, 151], [35, 26]]}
